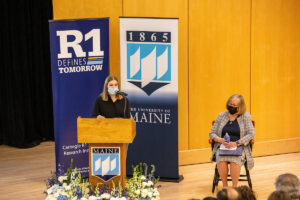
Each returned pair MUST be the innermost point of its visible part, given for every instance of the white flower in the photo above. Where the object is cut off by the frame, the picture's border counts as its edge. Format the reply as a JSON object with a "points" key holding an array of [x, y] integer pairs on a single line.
{"points": [[143, 178], [52, 189], [63, 193], [149, 194], [155, 192], [62, 178], [66, 187], [49, 191], [144, 184], [138, 192], [118, 198], [83, 198], [74, 198], [60, 191], [105, 196], [144, 193], [50, 197], [150, 183], [92, 198], [56, 195]]}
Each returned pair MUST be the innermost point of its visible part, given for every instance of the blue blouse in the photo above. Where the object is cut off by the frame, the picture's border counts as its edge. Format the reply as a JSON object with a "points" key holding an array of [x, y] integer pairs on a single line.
{"points": [[233, 130]]}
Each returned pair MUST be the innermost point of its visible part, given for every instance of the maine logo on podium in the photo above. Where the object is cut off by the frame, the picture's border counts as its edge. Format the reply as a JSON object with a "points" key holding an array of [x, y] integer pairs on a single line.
{"points": [[149, 59], [106, 162]]}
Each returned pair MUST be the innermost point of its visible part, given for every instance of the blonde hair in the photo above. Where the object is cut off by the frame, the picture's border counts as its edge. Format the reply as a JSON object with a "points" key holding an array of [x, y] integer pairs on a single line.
{"points": [[104, 93], [242, 105]]}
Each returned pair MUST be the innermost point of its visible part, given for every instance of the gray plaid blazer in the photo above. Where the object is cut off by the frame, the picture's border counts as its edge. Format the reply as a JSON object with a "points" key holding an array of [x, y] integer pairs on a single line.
{"points": [[246, 133]]}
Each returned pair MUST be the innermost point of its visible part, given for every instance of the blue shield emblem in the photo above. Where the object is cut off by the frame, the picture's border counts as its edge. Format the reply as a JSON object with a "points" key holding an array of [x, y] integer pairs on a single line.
{"points": [[149, 65], [105, 162]]}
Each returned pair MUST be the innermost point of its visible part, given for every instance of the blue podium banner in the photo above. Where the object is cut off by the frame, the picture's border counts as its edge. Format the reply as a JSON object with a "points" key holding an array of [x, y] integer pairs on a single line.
{"points": [[79, 65], [149, 74], [106, 162]]}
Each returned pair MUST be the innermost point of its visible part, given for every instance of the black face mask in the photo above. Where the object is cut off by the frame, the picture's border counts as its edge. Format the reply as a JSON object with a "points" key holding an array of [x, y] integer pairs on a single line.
{"points": [[232, 110]]}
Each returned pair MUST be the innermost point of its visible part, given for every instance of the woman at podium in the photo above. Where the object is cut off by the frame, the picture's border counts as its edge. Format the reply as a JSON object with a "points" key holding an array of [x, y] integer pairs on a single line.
{"points": [[111, 103]]}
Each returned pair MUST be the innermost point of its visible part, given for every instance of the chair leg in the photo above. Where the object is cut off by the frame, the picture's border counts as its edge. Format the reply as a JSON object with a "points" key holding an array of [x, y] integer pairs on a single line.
{"points": [[213, 187], [248, 176], [216, 179]]}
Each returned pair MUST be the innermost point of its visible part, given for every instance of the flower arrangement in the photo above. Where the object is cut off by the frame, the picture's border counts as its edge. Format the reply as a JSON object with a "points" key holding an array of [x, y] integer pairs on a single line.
{"points": [[142, 185], [73, 187]]}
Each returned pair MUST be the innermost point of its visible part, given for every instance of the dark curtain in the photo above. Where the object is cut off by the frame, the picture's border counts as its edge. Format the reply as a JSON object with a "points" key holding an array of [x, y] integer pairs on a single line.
{"points": [[26, 94]]}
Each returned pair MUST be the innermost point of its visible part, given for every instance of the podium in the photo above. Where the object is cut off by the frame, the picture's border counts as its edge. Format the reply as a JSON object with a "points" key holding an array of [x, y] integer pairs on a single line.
{"points": [[108, 140]]}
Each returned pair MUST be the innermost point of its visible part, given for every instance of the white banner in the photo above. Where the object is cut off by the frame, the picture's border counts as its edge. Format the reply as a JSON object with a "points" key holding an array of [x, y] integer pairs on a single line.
{"points": [[149, 74]]}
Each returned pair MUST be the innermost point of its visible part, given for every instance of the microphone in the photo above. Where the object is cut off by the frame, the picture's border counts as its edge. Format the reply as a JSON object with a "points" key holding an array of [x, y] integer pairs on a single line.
{"points": [[122, 93]]}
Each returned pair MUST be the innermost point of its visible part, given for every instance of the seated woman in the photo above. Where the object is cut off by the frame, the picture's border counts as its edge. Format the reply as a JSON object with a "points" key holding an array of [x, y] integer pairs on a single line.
{"points": [[237, 123], [110, 103]]}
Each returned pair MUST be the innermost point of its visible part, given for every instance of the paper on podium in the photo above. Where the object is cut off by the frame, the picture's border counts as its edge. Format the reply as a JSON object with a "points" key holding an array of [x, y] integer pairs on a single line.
{"points": [[222, 147]]}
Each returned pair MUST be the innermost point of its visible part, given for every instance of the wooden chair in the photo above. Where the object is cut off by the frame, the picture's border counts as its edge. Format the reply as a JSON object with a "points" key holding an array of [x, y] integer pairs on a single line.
{"points": [[243, 177]]}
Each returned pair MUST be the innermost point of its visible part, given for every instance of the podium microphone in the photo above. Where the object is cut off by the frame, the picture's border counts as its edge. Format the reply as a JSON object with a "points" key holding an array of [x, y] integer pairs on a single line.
{"points": [[122, 93]]}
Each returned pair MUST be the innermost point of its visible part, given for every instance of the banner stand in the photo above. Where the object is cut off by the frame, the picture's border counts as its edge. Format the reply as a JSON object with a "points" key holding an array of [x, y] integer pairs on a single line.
{"points": [[79, 65], [149, 74]]}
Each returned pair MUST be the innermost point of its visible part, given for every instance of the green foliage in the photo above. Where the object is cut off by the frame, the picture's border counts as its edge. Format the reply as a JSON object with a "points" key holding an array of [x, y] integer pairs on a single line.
{"points": [[120, 190], [142, 184], [69, 172], [113, 191], [97, 190]]}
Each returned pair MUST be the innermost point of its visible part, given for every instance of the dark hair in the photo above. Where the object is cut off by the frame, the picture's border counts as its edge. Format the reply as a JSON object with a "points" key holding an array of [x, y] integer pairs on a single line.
{"points": [[222, 194], [228, 194], [279, 195], [210, 198], [288, 183], [246, 193]]}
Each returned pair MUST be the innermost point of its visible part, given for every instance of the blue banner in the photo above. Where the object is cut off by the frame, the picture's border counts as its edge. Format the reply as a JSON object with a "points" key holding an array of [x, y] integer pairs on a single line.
{"points": [[80, 64], [149, 74]]}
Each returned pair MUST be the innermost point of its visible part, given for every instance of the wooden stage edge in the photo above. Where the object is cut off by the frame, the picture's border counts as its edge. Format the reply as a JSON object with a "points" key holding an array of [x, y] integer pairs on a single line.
{"points": [[23, 173]]}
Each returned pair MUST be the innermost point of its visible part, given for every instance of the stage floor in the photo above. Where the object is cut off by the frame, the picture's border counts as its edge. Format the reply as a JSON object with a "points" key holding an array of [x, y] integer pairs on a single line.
{"points": [[23, 173]]}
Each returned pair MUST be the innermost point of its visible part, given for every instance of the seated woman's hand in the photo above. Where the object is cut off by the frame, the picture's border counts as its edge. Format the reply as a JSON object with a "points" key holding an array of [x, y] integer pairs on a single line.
{"points": [[230, 145], [219, 140]]}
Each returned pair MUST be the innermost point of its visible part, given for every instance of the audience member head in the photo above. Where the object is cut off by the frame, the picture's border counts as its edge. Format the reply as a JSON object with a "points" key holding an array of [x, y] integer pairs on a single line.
{"points": [[279, 195], [228, 194], [246, 193], [210, 198], [288, 183]]}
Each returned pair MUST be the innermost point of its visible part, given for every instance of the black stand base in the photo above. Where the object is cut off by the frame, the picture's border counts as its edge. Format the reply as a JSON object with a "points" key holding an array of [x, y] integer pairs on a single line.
{"points": [[162, 179], [177, 180]]}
